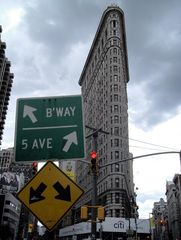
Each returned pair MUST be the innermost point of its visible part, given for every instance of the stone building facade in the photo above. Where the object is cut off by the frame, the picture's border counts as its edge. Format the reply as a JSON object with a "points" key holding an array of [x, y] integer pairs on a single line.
{"points": [[104, 89]]}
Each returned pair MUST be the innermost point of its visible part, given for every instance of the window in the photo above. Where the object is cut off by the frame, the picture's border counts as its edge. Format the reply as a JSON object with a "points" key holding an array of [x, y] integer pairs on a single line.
{"points": [[102, 43], [115, 68], [121, 143], [115, 32], [116, 119], [113, 23], [98, 50], [116, 131], [117, 182], [115, 108], [111, 120], [117, 168], [115, 51], [95, 58], [115, 97], [117, 198], [116, 154], [114, 59], [114, 40], [115, 78], [115, 87], [106, 33], [122, 183], [116, 142]]}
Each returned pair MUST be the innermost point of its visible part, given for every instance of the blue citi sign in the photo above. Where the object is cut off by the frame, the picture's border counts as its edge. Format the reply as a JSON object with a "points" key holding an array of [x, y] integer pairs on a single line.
{"points": [[119, 224]]}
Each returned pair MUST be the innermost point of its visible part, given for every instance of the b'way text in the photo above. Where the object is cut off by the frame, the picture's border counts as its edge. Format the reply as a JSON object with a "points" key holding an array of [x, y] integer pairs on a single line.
{"points": [[60, 112]]}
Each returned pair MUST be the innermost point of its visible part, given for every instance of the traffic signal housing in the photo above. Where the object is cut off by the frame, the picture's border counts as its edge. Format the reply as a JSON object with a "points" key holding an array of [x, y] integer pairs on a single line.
{"points": [[101, 214], [84, 213], [34, 168], [93, 156]]}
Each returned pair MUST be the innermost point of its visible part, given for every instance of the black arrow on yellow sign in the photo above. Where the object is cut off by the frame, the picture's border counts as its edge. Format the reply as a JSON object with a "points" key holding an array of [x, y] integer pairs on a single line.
{"points": [[64, 193], [36, 195]]}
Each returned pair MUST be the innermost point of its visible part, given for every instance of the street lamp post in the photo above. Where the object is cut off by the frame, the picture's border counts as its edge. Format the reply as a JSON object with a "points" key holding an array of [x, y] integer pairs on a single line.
{"points": [[128, 214], [135, 214], [100, 230], [150, 224]]}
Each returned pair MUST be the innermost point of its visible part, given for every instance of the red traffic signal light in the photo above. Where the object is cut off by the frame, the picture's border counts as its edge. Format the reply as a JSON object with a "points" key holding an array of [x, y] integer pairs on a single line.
{"points": [[34, 168], [93, 155]]}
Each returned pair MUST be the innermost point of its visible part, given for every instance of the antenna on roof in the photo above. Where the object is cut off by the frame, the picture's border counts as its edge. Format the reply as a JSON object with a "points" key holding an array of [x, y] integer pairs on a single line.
{"points": [[114, 5]]}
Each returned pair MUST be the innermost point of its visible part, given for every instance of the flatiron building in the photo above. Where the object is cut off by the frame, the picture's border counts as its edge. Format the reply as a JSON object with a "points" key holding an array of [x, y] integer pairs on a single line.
{"points": [[103, 84]]}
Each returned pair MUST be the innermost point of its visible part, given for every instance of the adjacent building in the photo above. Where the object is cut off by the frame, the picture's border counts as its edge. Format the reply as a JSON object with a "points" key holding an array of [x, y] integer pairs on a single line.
{"points": [[15, 219], [6, 158], [10, 209], [160, 216], [103, 84], [6, 79], [173, 193], [167, 214]]}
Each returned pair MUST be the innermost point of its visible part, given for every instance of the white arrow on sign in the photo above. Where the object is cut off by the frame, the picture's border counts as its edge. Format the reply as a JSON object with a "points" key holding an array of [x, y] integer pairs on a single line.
{"points": [[28, 111], [71, 138]]}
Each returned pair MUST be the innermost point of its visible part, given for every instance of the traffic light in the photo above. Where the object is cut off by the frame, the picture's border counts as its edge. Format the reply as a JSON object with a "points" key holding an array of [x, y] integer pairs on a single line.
{"points": [[100, 213], [30, 227], [34, 168], [162, 222], [93, 156], [84, 213]]}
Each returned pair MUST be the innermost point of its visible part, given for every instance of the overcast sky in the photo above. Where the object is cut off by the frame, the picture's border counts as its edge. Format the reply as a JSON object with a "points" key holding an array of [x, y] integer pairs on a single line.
{"points": [[47, 44]]}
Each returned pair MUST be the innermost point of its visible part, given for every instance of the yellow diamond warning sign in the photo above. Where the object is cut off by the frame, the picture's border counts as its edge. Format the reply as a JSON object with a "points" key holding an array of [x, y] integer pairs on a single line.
{"points": [[49, 195]]}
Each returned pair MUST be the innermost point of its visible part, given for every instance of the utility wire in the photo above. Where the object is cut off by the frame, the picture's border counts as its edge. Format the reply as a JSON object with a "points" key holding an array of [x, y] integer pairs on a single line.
{"points": [[136, 140], [154, 149], [152, 144]]}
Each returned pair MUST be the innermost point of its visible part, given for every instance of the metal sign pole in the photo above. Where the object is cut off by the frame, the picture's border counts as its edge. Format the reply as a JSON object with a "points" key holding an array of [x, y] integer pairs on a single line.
{"points": [[94, 192]]}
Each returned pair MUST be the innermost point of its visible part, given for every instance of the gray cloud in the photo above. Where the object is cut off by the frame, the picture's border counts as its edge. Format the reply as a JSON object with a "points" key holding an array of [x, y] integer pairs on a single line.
{"points": [[45, 61], [154, 49], [59, 24]]}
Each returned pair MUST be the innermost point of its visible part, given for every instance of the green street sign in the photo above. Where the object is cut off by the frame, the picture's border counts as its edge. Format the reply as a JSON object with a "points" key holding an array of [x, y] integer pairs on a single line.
{"points": [[49, 128]]}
